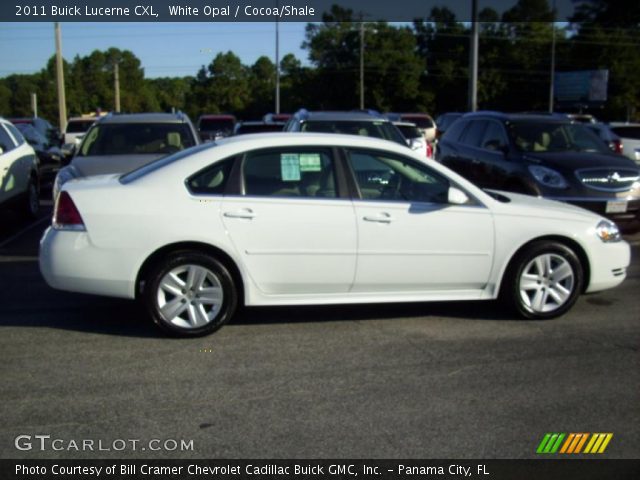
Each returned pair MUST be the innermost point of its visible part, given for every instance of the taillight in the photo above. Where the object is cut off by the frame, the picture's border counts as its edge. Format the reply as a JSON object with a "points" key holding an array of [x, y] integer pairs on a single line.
{"points": [[616, 146], [429, 150], [66, 215]]}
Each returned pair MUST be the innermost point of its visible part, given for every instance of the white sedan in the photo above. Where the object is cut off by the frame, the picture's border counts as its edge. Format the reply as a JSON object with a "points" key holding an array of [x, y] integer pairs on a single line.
{"points": [[304, 219]]}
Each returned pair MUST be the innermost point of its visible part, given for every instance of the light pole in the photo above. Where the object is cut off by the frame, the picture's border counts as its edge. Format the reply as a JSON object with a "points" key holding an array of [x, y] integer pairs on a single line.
{"points": [[361, 64], [62, 102], [553, 58], [277, 63], [473, 59]]}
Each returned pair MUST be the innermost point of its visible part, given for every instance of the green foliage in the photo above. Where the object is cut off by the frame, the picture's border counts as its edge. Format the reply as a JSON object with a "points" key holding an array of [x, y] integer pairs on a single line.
{"points": [[422, 68]]}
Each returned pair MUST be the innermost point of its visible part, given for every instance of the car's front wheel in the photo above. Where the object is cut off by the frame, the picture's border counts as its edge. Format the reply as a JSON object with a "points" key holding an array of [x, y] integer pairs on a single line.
{"points": [[543, 281], [190, 294]]}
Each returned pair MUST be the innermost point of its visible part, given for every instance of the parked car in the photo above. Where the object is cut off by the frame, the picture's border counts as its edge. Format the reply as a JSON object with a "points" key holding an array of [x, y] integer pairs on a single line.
{"points": [[415, 138], [76, 128], [49, 156], [118, 143], [242, 128], [422, 120], [544, 156], [276, 117], [364, 123], [43, 126], [213, 127], [444, 121], [295, 219], [608, 136], [19, 175], [629, 133]]}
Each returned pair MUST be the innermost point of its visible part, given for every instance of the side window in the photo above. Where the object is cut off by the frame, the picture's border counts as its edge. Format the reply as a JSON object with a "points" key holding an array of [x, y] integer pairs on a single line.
{"points": [[381, 176], [455, 130], [473, 134], [6, 142], [212, 180], [494, 137], [15, 133], [305, 172]]}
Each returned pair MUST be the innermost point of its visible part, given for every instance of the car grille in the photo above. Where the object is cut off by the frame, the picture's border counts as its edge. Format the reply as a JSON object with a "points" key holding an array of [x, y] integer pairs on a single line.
{"points": [[608, 179]]}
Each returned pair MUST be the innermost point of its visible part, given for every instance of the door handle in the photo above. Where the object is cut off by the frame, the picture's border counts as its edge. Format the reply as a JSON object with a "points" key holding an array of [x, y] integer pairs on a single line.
{"points": [[244, 213], [382, 218]]}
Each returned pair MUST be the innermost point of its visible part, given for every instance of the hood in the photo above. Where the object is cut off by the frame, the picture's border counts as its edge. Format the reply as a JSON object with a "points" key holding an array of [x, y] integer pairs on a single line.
{"points": [[571, 161], [104, 164], [527, 205]]}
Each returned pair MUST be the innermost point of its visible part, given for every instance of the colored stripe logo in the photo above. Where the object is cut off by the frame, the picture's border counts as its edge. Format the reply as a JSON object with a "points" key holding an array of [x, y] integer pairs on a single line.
{"points": [[572, 443]]}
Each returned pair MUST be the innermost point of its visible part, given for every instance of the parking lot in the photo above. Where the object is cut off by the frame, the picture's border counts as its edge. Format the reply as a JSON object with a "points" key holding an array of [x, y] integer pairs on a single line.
{"points": [[444, 380]]}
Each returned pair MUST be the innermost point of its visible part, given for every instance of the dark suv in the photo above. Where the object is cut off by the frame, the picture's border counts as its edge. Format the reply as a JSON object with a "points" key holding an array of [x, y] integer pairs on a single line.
{"points": [[546, 156]]}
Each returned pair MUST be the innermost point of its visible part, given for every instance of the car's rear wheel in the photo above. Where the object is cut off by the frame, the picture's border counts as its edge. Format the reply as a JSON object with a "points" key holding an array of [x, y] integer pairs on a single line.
{"points": [[543, 281], [190, 294]]}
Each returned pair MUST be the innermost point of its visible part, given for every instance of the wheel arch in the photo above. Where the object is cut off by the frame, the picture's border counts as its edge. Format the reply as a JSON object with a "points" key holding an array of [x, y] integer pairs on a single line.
{"points": [[191, 246], [568, 242]]}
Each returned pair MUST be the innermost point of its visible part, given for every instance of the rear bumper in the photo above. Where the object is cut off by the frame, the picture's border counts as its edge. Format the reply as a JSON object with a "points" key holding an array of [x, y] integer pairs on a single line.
{"points": [[69, 261]]}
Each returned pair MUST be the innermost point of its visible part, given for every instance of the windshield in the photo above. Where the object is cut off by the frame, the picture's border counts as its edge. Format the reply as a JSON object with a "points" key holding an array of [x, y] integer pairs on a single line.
{"points": [[539, 136], [136, 139], [384, 130], [420, 121]]}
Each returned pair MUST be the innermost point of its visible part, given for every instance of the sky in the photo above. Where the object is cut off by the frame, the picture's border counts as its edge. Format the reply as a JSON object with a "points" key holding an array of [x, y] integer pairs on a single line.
{"points": [[165, 49]]}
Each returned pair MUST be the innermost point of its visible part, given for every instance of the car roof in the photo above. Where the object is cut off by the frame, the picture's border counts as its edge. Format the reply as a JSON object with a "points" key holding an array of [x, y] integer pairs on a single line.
{"points": [[529, 117], [144, 118], [312, 138], [340, 116], [211, 116]]}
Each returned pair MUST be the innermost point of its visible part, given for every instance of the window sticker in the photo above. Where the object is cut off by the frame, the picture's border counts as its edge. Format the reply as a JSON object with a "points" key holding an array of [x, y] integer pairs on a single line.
{"points": [[310, 162], [290, 167]]}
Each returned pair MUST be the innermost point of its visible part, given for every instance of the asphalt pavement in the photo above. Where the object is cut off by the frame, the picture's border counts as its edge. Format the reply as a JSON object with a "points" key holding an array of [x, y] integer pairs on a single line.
{"points": [[443, 380]]}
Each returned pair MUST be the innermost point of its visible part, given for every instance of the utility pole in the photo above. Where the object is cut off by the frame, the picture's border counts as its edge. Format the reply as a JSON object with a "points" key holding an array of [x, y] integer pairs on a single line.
{"points": [[473, 59], [34, 104], [277, 66], [361, 64], [553, 59], [62, 103], [116, 85]]}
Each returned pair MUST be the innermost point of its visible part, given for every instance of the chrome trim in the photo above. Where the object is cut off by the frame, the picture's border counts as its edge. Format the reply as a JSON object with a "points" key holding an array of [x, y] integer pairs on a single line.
{"points": [[592, 200], [612, 175]]}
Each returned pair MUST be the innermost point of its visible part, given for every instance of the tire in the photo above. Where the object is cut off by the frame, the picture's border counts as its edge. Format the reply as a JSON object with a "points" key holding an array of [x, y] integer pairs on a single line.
{"points": [[190, 294], [543, 281], [31, 202]]}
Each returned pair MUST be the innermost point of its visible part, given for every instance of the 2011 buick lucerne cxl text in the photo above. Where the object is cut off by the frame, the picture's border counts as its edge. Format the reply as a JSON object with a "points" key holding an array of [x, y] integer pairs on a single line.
{"points": [[302, 219]]}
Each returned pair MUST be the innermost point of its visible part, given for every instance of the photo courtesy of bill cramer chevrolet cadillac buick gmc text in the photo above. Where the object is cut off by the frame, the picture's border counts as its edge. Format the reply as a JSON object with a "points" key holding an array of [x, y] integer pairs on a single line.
{"points": [[313, 219]]}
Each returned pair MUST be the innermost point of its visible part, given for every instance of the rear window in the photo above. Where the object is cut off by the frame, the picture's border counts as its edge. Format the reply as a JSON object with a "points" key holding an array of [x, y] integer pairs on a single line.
{"points": [[79, 126], [421, 122], [136, 139], [162, 162], [216, 125], [376, 129], [409, 131], [627, 132]]}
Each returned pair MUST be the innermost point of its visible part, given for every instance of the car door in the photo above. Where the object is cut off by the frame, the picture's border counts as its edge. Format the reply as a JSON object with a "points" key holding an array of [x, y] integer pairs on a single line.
{"points": [[493, 170], [410, 239], [13, 169], [292, 225]]}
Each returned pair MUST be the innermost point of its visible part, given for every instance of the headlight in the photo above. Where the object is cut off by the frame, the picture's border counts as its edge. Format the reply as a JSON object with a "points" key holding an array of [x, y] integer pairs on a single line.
{"points": [[608, 231], [547, 177], [64, 175]]}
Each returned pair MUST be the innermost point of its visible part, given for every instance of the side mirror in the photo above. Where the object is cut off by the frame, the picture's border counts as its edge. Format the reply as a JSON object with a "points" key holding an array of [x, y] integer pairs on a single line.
{"points": [[456, 196]]}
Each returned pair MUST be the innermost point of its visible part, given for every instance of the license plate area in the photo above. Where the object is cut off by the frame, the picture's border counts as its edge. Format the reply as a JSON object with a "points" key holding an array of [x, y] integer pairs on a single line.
{"points": [[616, 206]]}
